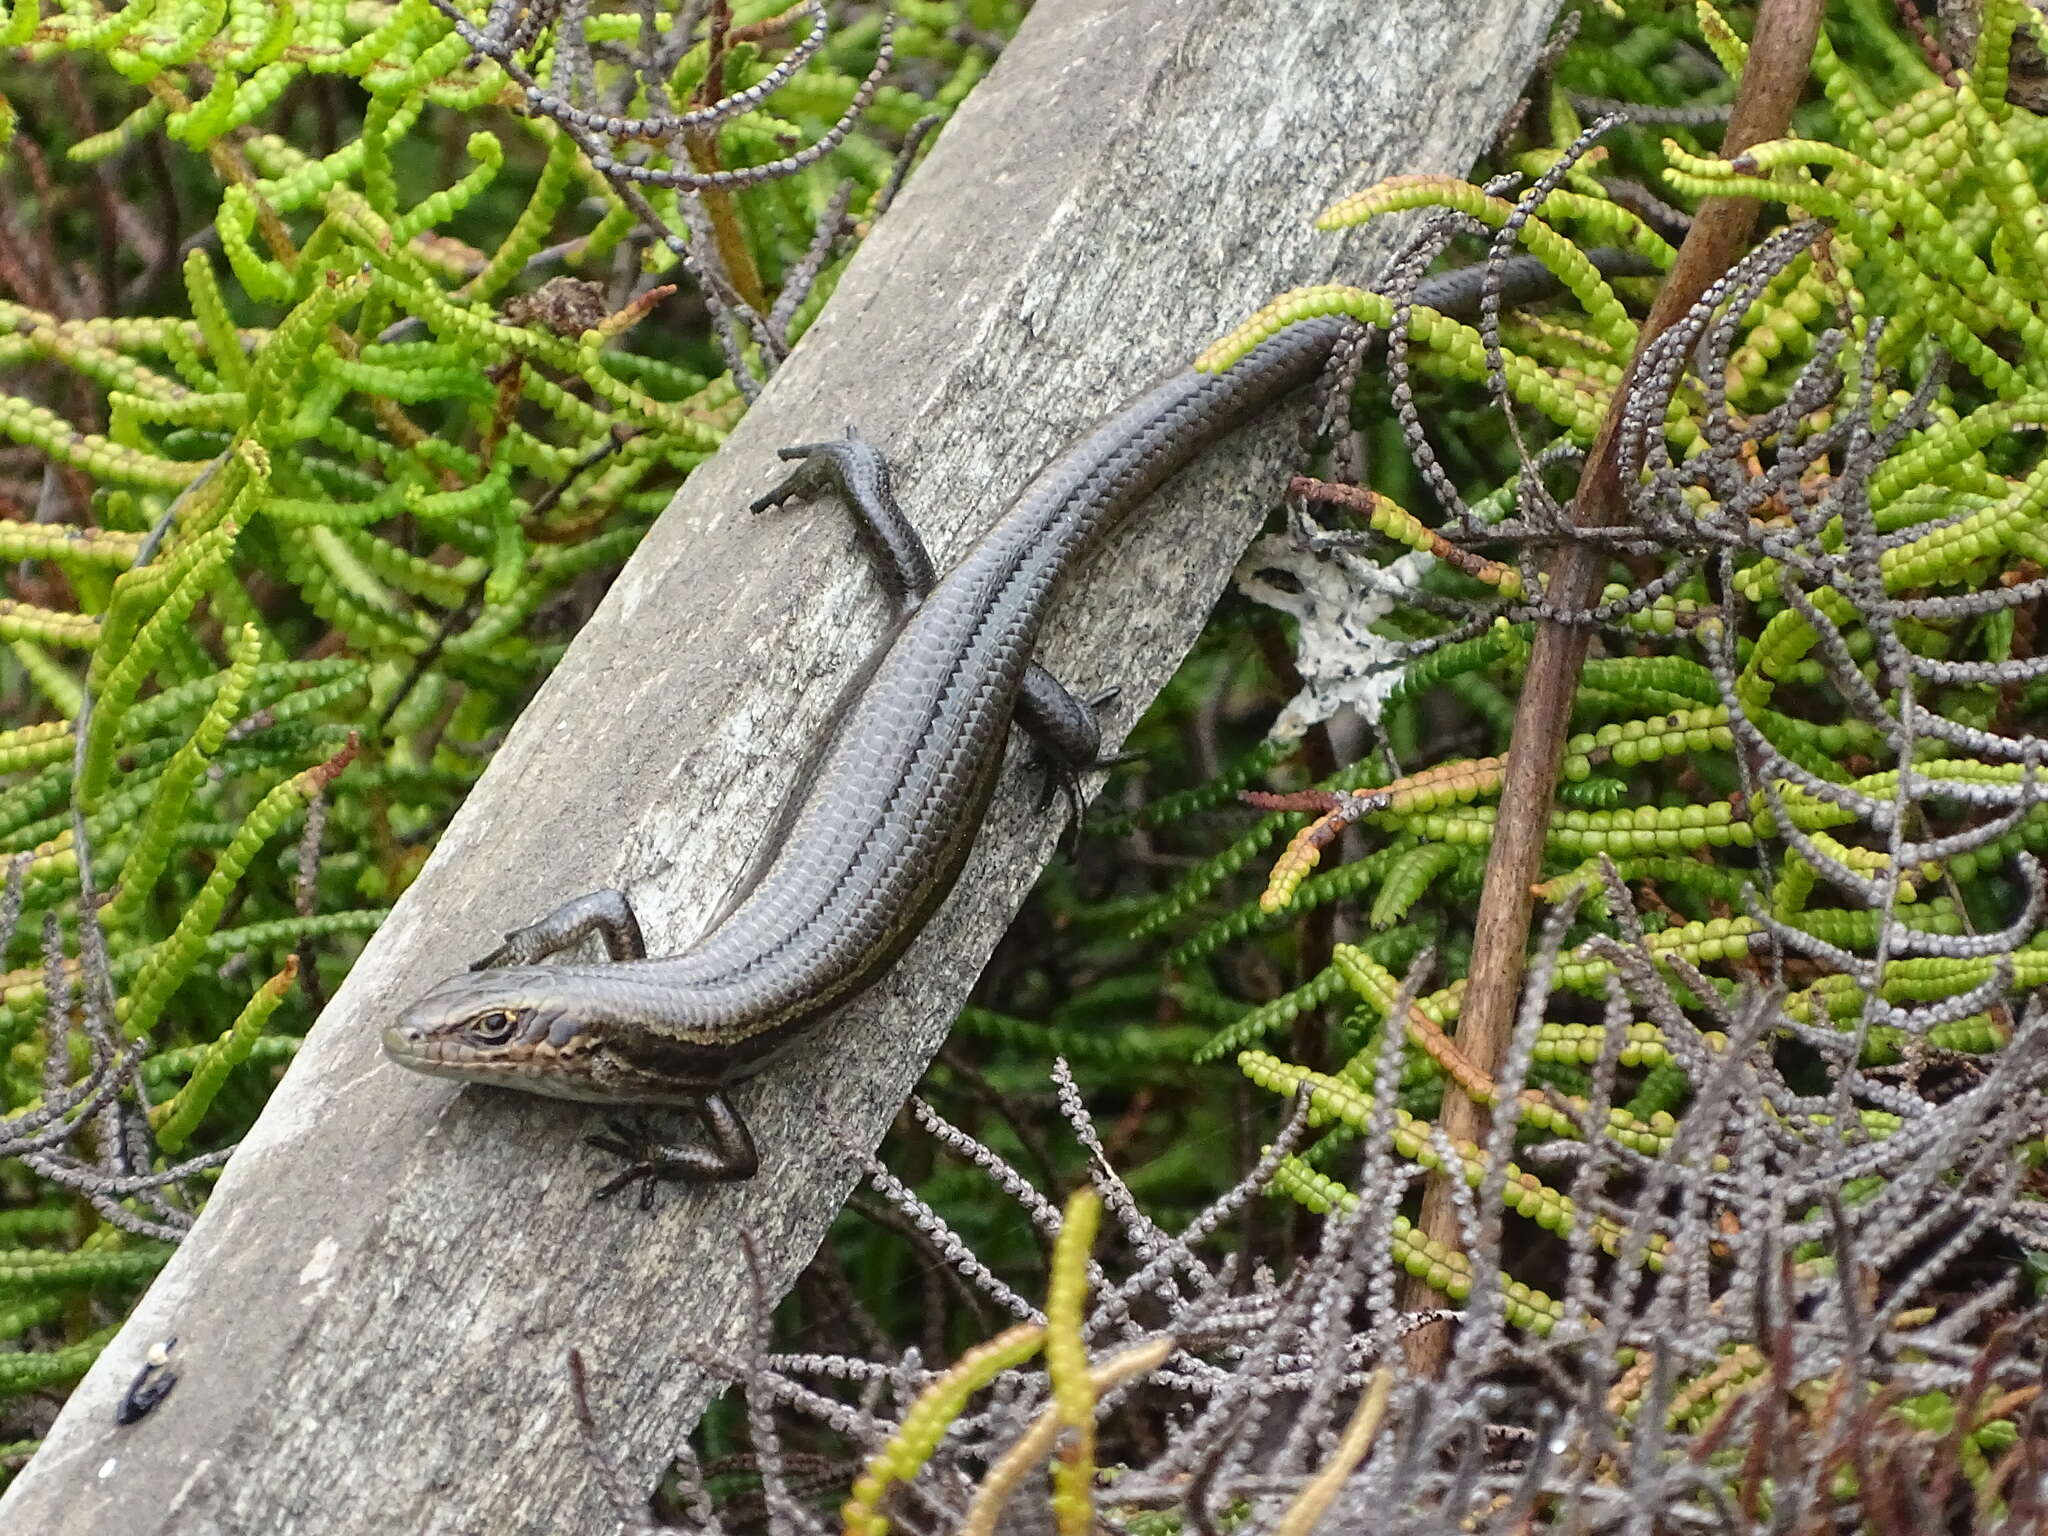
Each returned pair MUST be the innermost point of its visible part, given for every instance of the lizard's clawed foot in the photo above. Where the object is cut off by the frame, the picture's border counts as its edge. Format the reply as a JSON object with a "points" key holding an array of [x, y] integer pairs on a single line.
{"points": [[731, 1154], [646, 1159]]}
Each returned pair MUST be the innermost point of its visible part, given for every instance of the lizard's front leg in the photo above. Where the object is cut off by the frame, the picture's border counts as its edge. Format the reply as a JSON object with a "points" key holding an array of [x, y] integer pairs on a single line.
{"points": [[606, 913]]}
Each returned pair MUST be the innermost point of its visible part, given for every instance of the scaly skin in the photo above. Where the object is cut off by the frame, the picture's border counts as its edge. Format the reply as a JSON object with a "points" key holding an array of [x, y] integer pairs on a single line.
{"points": [[878, 832]]}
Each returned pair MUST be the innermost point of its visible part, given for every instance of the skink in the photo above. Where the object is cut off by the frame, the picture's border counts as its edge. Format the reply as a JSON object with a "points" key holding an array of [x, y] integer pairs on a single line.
{"points": [[875, 835]]}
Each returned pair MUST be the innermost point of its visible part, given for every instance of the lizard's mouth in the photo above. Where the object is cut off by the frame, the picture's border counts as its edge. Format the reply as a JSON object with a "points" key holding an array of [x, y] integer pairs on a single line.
{"points": [[412, 1047], [529, 1067]]}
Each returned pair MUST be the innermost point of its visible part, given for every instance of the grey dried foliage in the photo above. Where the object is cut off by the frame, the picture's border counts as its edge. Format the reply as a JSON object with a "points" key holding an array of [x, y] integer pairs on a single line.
{"points": [[1773, 1347], [525, 36], [1811, 1313], [92, 1134]]}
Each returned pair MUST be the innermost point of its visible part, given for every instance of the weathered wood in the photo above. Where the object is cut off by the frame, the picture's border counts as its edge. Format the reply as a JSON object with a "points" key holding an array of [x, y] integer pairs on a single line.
{"points": [[374, 1310]]}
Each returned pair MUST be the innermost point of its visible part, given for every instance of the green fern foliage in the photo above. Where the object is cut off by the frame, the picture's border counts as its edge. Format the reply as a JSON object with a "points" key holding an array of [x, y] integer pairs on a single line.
{"points": [[344, 355]]}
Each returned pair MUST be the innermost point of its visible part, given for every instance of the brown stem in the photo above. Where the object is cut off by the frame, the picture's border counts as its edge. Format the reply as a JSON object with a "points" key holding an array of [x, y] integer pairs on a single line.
{"points": [[717, 202], [1780, 55]]}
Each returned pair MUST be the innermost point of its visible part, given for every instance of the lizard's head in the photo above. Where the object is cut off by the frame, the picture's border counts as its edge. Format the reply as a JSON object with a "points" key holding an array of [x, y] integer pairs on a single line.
{"points": [[498, 1027]]}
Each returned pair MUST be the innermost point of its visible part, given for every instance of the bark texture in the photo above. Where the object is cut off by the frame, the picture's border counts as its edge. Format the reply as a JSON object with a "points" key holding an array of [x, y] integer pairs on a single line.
{"points": [[374, 1310]]}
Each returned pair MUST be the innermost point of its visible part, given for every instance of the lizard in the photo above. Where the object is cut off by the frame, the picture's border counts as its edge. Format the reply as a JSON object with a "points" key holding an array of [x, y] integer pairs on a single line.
{"points": [[875, 833]]}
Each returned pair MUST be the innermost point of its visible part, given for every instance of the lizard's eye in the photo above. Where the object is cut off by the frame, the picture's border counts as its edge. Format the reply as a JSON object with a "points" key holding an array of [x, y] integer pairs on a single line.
{"points": [[494, 1026]]}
